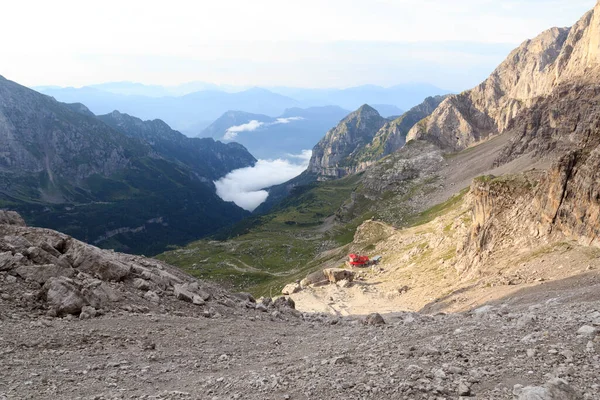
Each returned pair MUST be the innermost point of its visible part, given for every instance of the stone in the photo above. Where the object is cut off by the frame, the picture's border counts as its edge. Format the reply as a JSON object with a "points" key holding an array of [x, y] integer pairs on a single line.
{"points": [[181, 293], [88, 312], [11, 279], [291, 289], [101, 295], [337, 274], [63, 296], [41, 273], [284, 302], [344, 283], [587, 330], [374, 319], [141, 284], [9, 261], [556, 389], [197, 300], [152, 296], [464, 389], [244, 297]]}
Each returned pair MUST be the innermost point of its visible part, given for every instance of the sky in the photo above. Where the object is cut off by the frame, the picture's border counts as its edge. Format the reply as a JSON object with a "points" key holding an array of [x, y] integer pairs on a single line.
{"points": [[303, 43]]}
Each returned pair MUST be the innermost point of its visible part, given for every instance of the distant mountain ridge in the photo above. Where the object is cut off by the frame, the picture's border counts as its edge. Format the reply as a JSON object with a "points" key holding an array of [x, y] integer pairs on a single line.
{"points": [[191, 112], [295, 130], [114, 180]]}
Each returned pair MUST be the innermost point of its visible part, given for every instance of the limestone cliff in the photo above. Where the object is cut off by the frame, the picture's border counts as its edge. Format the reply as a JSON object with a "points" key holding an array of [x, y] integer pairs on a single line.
{"points": [[332, 156], [363, 138], [534, 69]]}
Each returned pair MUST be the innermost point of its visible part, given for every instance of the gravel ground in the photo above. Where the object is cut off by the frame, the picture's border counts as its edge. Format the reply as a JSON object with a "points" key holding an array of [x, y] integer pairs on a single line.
{"points": [[528, 339]]}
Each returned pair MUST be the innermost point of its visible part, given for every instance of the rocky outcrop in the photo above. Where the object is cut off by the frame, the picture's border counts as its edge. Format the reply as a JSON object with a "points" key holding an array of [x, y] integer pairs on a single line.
{"points": [[11, 218], [536, 68], [45, 270], [332, 156]]}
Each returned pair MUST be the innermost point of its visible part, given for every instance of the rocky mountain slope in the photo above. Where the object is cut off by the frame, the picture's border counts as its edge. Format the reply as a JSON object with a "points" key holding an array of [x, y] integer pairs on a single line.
{"points": [[207, 158], [138, 186], [535, 69], [363, 138], [95, 324], [332, 156]]}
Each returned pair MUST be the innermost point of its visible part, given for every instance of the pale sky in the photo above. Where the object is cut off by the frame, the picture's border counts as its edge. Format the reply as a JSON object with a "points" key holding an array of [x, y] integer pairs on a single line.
{"points": [[305, 43]]}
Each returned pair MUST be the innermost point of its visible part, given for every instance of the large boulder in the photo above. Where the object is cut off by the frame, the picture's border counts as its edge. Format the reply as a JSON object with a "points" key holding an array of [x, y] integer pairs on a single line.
{"points": [[337, 274], [291, 289], [101, 264], [42, 273], [63, 296]]}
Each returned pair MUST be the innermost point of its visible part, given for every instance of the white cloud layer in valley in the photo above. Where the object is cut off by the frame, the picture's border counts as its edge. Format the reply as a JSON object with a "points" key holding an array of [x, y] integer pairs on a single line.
{"points": [[253, 125], [244, 186]]}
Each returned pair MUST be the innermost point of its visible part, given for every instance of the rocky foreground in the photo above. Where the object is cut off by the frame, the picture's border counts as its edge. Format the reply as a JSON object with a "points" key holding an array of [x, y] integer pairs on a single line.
{"points": [[77, 322]]}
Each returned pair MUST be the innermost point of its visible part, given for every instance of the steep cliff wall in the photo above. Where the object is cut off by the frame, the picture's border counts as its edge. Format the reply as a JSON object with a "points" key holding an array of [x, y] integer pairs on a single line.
{"points": [[535, 69]]}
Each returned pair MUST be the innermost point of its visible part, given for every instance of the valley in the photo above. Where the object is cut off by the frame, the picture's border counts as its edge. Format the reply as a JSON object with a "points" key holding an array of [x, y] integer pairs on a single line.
{"points": [[450, 251]]}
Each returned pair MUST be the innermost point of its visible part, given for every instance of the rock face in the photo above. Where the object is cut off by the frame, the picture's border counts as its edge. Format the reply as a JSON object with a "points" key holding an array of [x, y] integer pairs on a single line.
{"points": [[332, 156], [536, 68], [61, 275], [363, 138]]}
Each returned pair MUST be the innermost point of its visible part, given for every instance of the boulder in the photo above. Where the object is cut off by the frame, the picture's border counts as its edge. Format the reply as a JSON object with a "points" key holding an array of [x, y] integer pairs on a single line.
{"points": [[245, 297], [9, 261], [141, 284], [315, 278], [291, 289], [337, 274], [587, 330], [556, 389], [41, 273], [152, 296], [181, 292], [88, 312], [284, 302], [63, 296], [197, 300], [101, 295], [101, 264], [374, 319]]}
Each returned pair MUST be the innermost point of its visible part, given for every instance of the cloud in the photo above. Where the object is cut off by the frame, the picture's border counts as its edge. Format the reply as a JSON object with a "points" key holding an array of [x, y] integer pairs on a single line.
{"points": [[304, 156], [233, 131], [286, 120], [244, 186]]}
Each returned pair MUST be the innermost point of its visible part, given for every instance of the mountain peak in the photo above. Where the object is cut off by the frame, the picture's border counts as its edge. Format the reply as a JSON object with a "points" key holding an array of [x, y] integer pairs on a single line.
{"points": [[535, 69], [365, 108]]}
